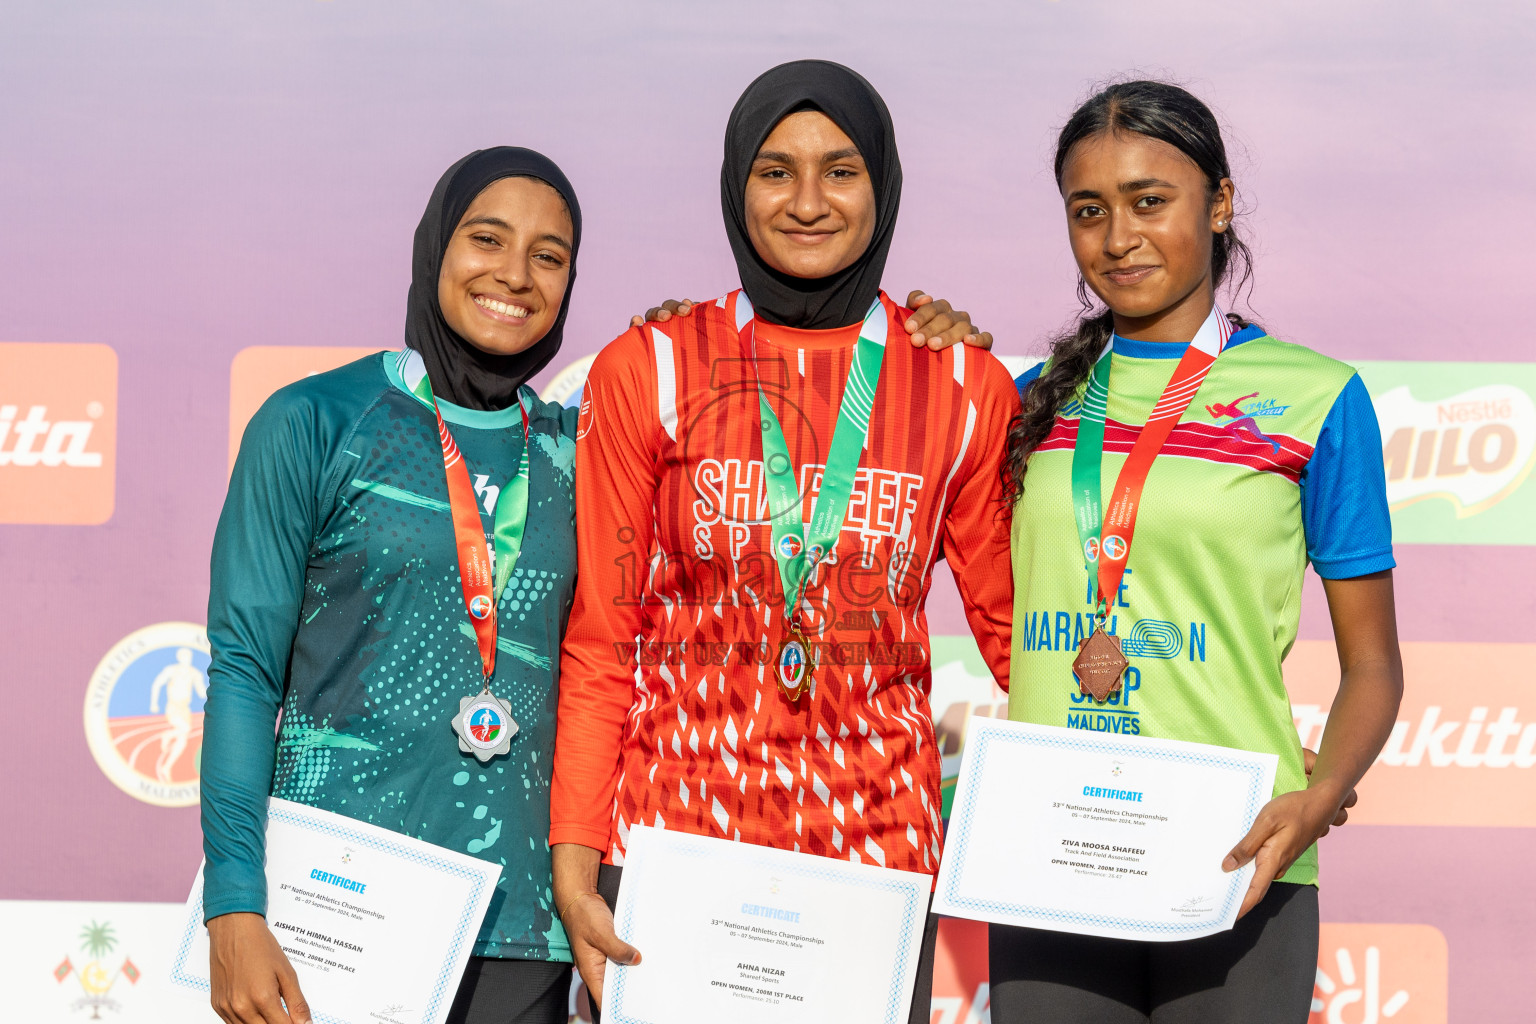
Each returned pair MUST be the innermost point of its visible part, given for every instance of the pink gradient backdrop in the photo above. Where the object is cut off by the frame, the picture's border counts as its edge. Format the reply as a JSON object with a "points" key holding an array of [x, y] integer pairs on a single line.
{"points": [[182, 180]]}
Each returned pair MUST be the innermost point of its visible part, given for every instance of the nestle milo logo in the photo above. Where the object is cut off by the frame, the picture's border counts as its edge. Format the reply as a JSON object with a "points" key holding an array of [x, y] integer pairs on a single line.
{"points": [[1458, 447]]}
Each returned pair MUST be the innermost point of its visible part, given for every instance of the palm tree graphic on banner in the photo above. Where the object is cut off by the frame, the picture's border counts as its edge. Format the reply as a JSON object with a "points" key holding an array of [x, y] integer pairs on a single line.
{"points": [[96, 941]]}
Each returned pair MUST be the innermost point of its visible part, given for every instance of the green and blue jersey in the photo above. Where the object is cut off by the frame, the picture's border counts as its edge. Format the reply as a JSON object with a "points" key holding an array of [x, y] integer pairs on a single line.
{"points": [[1276, 463], [336, 601]]}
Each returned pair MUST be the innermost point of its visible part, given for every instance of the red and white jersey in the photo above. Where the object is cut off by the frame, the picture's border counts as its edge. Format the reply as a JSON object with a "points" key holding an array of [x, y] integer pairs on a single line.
{"points": [[670, 714]]}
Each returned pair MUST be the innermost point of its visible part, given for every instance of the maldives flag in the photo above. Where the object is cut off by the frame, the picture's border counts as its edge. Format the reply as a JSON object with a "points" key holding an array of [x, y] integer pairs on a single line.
{"points": [[129, 971], [62, 971]]}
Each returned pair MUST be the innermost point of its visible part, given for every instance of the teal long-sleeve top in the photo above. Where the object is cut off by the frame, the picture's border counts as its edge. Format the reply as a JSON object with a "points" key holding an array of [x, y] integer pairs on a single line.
{"points": [[336, 601]]}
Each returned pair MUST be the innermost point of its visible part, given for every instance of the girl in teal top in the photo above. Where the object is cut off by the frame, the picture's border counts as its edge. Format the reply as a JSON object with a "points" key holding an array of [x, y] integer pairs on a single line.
{"points": [[336, 597]]}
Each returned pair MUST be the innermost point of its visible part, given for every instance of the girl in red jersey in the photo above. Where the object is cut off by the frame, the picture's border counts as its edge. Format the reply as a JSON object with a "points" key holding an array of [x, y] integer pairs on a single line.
{"points": [[674, 710]]}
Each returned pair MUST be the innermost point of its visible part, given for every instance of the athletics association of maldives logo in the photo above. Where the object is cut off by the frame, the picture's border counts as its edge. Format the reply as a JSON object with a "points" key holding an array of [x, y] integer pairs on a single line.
{"points": [[479, 606], [144, 712], [485, 725], [789, 546], [792, 664], [1114, 548]]}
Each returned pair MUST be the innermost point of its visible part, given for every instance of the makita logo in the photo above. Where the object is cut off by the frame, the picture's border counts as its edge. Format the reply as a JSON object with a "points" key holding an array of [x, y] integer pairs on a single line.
{"points": [[35, 440], [58, 433], [1454, 756], [1475, 739]]}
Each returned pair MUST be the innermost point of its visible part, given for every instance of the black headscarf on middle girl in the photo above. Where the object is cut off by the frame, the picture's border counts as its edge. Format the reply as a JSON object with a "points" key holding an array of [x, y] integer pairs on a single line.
{"points": [[461, 373], [855, 107]]}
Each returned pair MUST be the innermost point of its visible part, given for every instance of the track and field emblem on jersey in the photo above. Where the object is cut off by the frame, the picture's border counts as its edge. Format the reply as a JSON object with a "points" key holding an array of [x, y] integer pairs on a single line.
{"points": [[485, 726], [1242, 424], [480, 606], [789, 546], [1114, 547], [144, 713]]}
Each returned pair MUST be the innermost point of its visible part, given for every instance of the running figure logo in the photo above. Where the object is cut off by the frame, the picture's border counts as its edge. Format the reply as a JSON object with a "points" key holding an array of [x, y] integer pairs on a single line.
{"points": [[178, 682], [1241, 422], [144, 712], [792, 665], [485, 726]]}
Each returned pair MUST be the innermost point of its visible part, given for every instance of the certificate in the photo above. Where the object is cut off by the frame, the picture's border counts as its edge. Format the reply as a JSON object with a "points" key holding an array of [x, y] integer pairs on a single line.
{"points": [[378, 926], [751, 935], [1099, 834]]}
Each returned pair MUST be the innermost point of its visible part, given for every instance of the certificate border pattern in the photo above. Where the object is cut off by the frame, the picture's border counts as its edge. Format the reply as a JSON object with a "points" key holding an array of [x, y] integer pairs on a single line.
{"points": [[381, 845], [1257, 795], [894, 1010]]}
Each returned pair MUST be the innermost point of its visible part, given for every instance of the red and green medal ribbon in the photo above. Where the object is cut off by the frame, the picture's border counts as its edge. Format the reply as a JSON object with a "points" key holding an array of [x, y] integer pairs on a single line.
{"points": [[1106, 533], [484, 722], [798, 547]]}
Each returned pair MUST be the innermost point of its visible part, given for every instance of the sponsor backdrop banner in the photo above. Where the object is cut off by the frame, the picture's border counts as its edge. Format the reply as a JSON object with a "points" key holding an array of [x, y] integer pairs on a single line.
{"points": [[203, 203], [1459, 440]]}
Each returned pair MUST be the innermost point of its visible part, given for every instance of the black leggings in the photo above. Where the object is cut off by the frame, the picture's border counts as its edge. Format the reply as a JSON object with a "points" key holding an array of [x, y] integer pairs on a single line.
{"points": [[1260, 972], [608, 877], [512, 992]]}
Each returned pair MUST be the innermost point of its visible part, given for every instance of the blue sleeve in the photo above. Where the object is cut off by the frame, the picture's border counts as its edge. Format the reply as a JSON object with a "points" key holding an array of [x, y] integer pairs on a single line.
{"points": [[1344, 492], [1025, 379], [260, 553]]}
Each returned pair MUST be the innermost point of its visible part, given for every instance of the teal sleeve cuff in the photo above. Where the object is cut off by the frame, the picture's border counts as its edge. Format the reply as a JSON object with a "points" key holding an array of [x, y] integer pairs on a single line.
{"points": [[235, 901]]}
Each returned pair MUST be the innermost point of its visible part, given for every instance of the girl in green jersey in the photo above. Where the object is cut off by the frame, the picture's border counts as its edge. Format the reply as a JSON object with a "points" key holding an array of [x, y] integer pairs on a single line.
{"points": [[1275, 463]]}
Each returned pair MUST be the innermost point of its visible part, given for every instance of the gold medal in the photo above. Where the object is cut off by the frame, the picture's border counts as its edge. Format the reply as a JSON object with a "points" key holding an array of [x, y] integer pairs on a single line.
{"points": [[794, 666]]}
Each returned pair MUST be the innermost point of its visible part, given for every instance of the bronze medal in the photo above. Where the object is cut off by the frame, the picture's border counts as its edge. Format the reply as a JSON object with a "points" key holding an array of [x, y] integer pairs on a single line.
{"points": [[1099, 665]]}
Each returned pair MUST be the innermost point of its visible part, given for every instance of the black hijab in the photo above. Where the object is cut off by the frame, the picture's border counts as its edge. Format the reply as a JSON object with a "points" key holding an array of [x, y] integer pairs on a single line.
{"points": [[461, 373], [855, 107]]}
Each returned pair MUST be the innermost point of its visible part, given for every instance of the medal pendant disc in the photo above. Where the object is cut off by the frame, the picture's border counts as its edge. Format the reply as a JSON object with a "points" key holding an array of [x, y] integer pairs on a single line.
{"points": [[485, 726], [1099, 665], [793, 670]]}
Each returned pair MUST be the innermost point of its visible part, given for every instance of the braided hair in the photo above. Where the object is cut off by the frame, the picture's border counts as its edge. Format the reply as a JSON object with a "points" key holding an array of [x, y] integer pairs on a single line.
{"points": [[1159, 111]]}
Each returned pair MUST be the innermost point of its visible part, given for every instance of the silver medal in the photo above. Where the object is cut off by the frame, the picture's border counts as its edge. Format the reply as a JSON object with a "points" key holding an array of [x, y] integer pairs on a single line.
{"points": [[485, 725]]}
